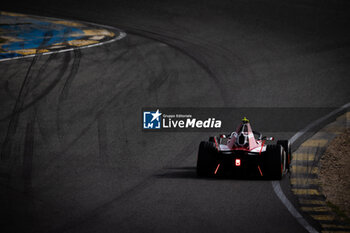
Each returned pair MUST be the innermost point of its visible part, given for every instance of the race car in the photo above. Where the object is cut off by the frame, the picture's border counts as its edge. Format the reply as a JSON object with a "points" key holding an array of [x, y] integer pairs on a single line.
{"points": [[243, 152]]}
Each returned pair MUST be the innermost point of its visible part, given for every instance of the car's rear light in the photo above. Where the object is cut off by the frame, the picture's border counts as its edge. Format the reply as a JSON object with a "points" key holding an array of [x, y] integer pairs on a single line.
{"points": [[238, 162]]}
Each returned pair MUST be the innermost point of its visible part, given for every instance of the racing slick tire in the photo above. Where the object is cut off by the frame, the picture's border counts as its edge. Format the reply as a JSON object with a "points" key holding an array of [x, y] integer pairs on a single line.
{"points": [[288, 149], [206, 159], [275, 161]]}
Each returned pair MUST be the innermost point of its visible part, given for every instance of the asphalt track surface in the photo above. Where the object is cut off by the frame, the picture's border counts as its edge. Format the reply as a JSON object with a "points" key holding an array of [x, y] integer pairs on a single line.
{"points": [[78, 160]]}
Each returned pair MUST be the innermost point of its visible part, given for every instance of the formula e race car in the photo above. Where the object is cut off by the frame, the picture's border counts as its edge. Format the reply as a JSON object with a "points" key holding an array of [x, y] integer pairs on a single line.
{"points": [[243, 152]]}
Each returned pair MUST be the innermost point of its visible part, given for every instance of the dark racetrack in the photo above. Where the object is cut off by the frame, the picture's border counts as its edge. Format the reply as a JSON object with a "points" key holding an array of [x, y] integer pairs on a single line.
{"points": [[74, 157]]}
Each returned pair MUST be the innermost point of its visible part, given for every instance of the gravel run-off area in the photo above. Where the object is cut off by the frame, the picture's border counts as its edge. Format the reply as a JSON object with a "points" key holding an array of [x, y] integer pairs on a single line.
{"points": [[335, 174]]}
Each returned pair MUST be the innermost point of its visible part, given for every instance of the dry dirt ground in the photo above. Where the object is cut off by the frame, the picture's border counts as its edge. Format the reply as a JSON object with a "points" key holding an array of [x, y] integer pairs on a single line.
{"points": [[335, 174]]}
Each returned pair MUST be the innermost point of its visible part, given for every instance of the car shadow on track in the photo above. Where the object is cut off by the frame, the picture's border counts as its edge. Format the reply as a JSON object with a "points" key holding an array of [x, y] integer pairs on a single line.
{"points": [[178, 173], [190, 173]]}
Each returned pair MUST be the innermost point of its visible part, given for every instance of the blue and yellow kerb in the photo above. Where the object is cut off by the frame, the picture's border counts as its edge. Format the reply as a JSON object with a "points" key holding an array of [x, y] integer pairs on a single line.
{"points": [[23, 35], [304, 177]]}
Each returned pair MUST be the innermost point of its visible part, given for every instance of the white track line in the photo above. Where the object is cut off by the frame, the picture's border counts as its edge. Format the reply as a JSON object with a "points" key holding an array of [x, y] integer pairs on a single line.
{"points": [[277, 188], [120, 36], [276, 184]]}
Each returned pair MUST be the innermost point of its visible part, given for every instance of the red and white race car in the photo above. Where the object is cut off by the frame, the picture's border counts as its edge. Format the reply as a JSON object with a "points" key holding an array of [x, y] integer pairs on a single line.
{"points": [[243, 152]]}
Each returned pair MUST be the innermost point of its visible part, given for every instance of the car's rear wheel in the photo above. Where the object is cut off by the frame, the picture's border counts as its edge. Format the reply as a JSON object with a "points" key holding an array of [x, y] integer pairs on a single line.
{"points": [[206, 159], [288, 149], [275, 161]]}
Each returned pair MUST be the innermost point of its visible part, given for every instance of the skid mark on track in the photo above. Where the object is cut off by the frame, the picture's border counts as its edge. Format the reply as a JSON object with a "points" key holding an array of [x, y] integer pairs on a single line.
{"points": [[28, 155], [71, 76], [39, 78], [12, 127], [53, 84], [204, 53], [15, 146], [37, 81], [7, 88], [195, 55], [65, 90], [7, 83], [134, 190], [102, 139], [100, 110]]}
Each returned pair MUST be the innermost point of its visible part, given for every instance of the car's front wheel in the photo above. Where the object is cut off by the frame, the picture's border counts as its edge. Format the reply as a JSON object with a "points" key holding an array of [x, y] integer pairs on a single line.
{"points": [[275, 161]]}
